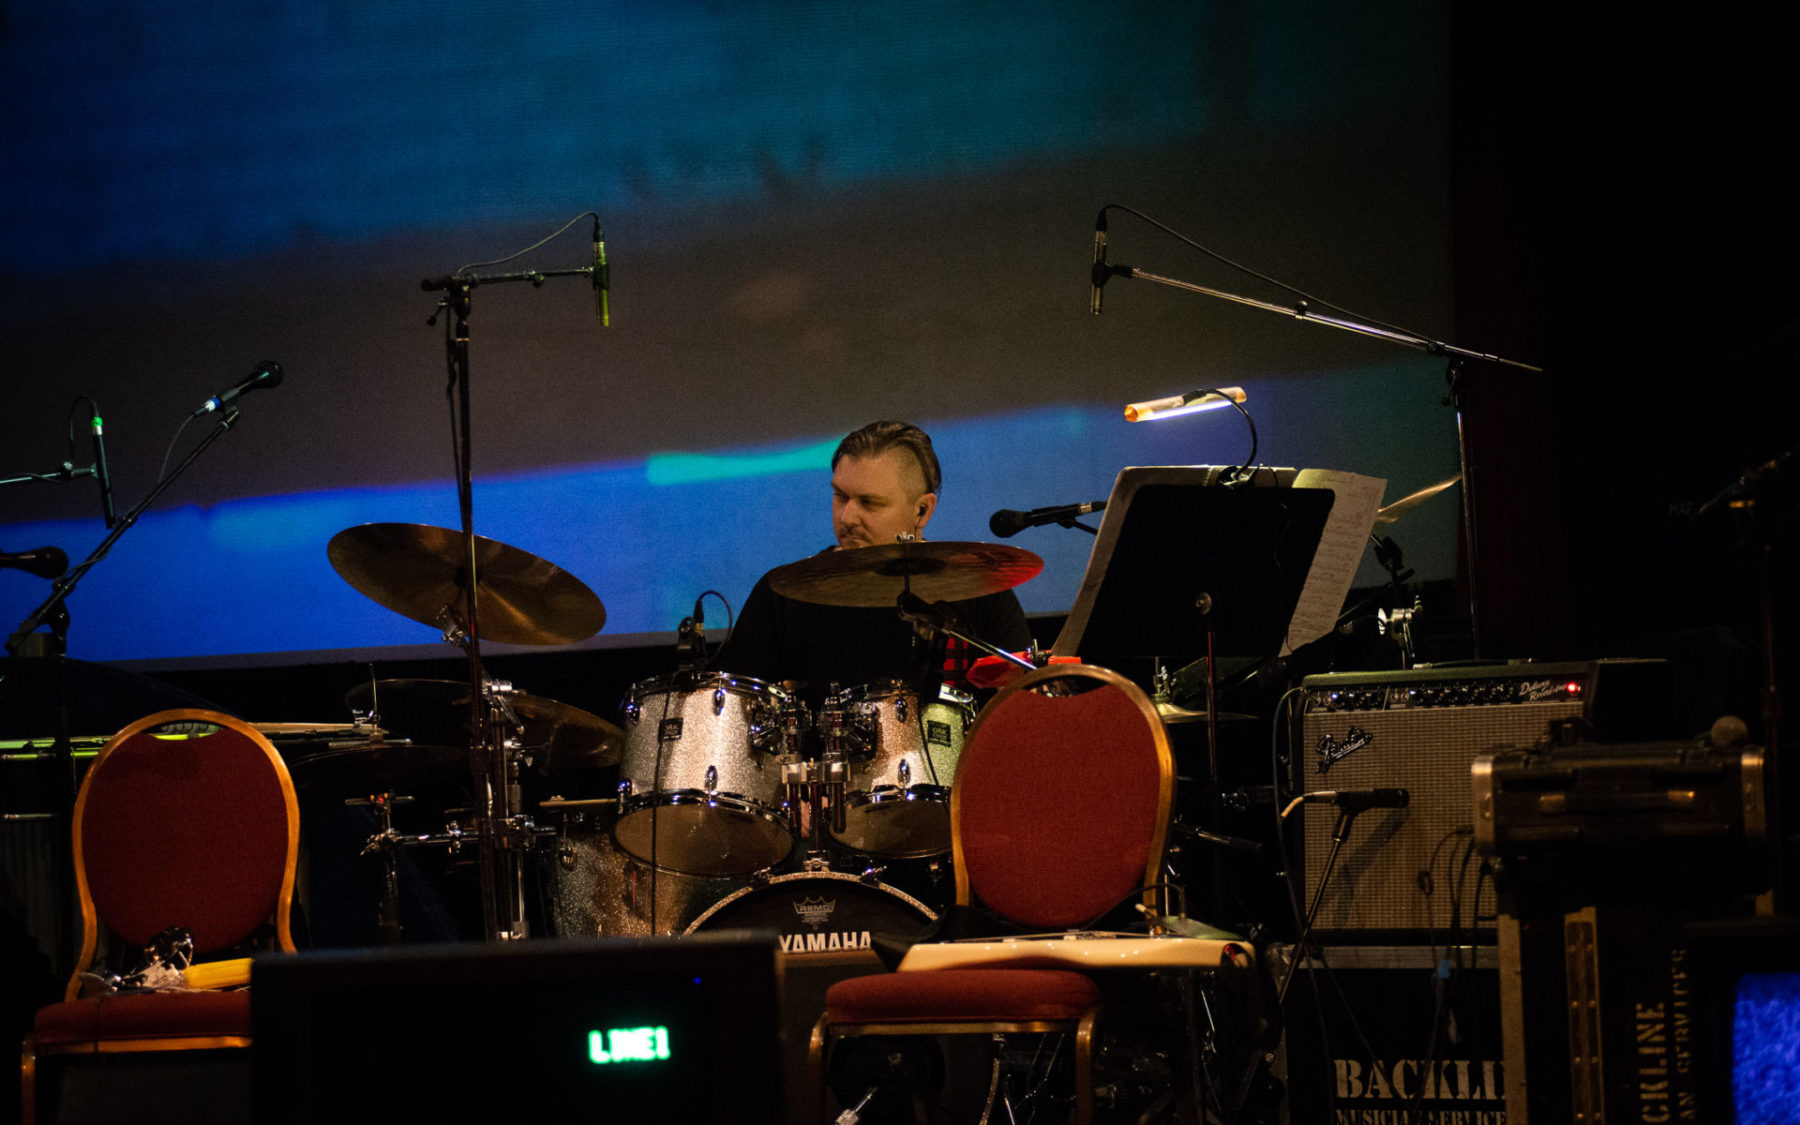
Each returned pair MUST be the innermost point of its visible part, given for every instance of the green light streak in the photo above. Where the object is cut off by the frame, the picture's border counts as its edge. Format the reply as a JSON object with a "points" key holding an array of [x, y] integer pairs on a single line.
{"points": [[692, 468]]}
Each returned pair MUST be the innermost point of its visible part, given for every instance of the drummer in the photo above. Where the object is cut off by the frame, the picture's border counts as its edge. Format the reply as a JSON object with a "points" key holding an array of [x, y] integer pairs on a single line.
{"points": [[884, 488]]}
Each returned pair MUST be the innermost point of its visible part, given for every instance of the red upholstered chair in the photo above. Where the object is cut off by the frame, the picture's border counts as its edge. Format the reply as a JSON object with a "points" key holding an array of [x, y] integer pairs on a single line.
{"points": [[199, 830], [1058, 813]]}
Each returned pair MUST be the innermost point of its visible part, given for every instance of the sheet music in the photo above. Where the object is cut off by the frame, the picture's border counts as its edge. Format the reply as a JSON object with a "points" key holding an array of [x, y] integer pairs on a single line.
{"points": [[1340, 551]]}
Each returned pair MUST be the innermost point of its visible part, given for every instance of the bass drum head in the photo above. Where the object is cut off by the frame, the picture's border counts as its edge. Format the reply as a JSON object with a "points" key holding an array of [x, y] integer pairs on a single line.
{"points": [[818, 912]]}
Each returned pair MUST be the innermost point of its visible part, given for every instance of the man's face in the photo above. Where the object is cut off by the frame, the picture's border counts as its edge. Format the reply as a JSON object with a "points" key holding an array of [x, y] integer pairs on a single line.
{"points": [[874, 499]]}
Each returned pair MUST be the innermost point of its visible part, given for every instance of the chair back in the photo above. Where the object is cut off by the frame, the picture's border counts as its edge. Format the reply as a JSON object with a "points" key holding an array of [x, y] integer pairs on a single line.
{"points": [[1060, 806], [187, 818]]}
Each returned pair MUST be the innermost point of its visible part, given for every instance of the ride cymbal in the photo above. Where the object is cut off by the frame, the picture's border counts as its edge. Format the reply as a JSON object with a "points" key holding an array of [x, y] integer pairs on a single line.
{"points": [[934, 571], [420, 571]]}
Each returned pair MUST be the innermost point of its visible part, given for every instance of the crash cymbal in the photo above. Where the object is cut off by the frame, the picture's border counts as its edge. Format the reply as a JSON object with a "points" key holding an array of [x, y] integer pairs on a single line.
{"points": [[1391, 514], [376, 766], [562, 737], [419, 571], [1171, 715], [556, 735], [934, 571]]}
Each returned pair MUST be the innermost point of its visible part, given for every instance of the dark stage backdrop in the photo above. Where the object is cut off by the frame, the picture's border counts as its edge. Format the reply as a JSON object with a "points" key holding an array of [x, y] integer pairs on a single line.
{"points": [[818, 214]]}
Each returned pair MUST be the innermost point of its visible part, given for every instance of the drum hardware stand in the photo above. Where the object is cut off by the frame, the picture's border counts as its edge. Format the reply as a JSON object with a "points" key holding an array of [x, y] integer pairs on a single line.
{"points": [[938, 617], [385, 843], [501, 841], [1756, 537]]}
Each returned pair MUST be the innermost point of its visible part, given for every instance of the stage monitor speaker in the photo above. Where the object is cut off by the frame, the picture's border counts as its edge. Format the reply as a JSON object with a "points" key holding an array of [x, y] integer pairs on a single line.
{"points": [[649, 1029], [1420, 730]]}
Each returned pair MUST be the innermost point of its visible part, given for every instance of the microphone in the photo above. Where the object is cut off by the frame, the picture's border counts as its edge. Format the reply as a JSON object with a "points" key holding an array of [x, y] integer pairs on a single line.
{"points": [[602, 283], [1208, 399], [267, 374], [698, 636], [1100, 272], [45, 562], [1356, 800], [1008, 522], [100, 473], [934, 616]]}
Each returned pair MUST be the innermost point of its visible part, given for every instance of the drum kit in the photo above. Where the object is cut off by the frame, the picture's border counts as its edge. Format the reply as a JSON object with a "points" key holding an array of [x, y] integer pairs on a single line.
{"points": [[736, 804]]}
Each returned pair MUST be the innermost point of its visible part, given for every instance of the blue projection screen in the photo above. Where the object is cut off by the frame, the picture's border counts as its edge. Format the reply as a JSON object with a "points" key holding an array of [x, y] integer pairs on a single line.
{"points": [[816, 215]]}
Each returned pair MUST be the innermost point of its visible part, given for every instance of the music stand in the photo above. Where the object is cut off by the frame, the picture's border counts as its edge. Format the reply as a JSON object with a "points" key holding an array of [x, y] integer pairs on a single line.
{"points": [[1185, 562], [1180, 555]]}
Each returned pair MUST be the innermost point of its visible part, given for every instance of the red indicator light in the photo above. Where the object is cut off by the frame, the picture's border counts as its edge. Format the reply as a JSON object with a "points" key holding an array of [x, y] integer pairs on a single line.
{"points": [[1573, 688]]}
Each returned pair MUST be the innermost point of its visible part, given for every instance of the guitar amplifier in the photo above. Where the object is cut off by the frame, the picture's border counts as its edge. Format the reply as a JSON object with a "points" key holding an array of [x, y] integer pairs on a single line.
{"points": [[1400, 870]]}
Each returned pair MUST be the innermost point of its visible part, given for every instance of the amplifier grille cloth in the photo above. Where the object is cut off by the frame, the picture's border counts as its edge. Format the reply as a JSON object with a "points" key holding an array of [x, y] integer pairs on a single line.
{"points": [[1426, 751]]}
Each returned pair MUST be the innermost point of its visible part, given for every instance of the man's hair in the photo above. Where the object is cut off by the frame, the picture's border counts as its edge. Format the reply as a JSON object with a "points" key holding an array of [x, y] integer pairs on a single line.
{"points": [[877, 438]]}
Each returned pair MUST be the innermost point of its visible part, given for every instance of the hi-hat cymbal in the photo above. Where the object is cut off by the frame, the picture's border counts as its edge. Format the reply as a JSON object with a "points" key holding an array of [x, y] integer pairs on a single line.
{"points": [[421, 572], [557, 735], [934, 571], [1391, 514], [1171, 715], [376, 765]]}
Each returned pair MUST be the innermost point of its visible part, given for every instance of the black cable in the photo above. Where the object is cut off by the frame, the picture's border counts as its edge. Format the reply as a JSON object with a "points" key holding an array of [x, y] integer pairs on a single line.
{"points": [[730, 626], [550, 237]]}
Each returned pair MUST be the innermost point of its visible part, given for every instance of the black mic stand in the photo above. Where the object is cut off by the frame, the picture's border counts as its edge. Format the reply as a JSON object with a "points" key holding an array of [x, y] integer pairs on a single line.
{"points": [[504, 834], [26, 641], [1756, 538], [21, 643], [1303, 311]]}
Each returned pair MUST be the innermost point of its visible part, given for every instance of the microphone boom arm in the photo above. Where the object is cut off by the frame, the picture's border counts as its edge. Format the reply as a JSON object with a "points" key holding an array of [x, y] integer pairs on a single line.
{"points": [[62, 587], [1303, 312]]}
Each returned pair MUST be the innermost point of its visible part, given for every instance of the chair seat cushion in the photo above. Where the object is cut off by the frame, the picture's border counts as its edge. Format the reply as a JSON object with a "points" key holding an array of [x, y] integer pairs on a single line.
{"points": [[145, 1015], [962, 995]]}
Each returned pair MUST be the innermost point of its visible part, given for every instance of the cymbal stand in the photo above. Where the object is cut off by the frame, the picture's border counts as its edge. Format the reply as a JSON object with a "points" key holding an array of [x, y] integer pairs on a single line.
{"points": [[501, 845]]}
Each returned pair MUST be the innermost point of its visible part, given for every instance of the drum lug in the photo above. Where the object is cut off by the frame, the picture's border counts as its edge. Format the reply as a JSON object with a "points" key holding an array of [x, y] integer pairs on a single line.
{"points": [[712, 778], [633, 711], [625, 791], [905, 772], [718, 701], [900, 708]]}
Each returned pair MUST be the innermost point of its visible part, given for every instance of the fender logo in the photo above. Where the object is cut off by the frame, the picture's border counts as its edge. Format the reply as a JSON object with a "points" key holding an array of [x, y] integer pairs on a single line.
{"points": [[1331, 751]]}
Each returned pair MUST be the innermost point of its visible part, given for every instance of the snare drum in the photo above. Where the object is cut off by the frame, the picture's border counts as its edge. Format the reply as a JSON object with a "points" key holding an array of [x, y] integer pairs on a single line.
{"points": [[700, 764], [818, 911], [901, 763]]}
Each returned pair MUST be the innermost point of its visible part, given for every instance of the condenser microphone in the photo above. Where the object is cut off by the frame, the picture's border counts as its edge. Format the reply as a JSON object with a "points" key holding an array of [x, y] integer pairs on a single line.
{"points": [[1356, 800], [602, 277], [267, 374], [1099, 275], [1008, 522], [100, 473]]}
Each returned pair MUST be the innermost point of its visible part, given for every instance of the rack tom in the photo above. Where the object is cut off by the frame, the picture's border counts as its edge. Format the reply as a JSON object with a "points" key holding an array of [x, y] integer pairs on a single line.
{"points": [[700, 777], [901, 759]]}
